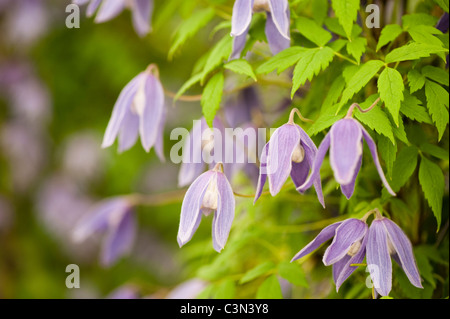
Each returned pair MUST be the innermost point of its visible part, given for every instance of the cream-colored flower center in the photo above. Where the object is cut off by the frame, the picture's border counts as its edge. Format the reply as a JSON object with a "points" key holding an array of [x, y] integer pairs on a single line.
{"points": [[298, 154], [354, 248], [211, 197], [261, 5]]}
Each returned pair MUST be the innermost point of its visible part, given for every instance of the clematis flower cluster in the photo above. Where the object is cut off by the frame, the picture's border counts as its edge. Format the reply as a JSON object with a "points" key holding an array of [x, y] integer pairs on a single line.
{"points": [[353, 241]]}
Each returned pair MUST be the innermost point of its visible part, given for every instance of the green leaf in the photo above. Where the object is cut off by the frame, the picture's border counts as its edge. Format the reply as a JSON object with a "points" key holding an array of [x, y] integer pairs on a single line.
{"points": [[357, 47], [413, 51], [436, 74], [388, 152], [416, 80], [241, 66], [362, 76], [346, 11], [257, 271], [211, 97], [389, 33], [425, 34], [404, 167], [432, 181], [443, 4], [226, 290], [269, 289], [324, 121], [189, 28], [435, 151], [187, 85], [310, 64], [413, 109], [333, 25], [437, 101], [411, 20], [319, 10], [281, 61], [390, 87], [220, 52], [292, 273], [312, 31]]}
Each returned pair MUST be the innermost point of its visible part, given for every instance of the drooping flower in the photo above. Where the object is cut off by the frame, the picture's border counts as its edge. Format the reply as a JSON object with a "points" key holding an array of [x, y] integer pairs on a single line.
{"points": [[277, 24], [386, 240], [290, 151], [347, 247], [115, 217], [139, 110], [345, 141], [209, 193], [109, 9]]}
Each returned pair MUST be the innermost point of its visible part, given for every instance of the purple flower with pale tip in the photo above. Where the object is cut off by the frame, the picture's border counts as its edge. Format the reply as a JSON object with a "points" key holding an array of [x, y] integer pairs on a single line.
{"points": [[109, 9], [345, 141], [116, 218], [277, 24], [290, 151], [209, 193], [347, 247], [139, 110], [385, 240]]}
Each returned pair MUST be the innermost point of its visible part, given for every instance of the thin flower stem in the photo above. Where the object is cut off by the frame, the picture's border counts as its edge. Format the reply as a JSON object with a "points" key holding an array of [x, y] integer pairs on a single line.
{"points": [[346, 58], [358, 265], [304, 227], [157, 199], [352, 107], [296, 111]]}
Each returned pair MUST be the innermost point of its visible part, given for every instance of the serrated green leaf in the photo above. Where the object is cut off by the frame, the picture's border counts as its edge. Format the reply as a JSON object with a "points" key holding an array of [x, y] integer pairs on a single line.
{"points": [[412, 51], [357, 47], [220, 52], [437, 104], [436, 74], [416, 80], [425, 34], [443, 4], [415, 19], [388, 152], [333, 25], [389, 33], [292, 273], [313, 32], [211, 97], [404, 167], [257, 271], [346, 11], [189, 28], [435, 151], [324, 121], [281, 61], [225, 290], [413, 109], [432, 181], [390, 86], [269, 289], [310, 64], [319, 10], [187, 85], [241, 66]]}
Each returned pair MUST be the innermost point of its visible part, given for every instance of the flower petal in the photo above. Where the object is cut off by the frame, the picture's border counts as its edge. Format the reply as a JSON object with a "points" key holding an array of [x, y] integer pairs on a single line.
{"points": [[279, 159], [349, 232], [262, 172], [109, 10], [279, 10], [238, 45], [92, 7], [142, 14], [345, 149], [378, 259], [348, 189], [129, 131], [224, 216], [404, 251], [373, 151], [190, 209], [159, 144], [277, 42], [326, 234], [242, 16]]}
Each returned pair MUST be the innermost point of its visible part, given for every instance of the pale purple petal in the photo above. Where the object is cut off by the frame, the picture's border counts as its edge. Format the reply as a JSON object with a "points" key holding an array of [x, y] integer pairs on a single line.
{"points": [[159, 144], [378, 258], [279, 10], [348, 189], [120, 109], [404, 251], [262, 172], [345, 149], [326, 234], [350, 231], [190, 209], [242, 16], [109, 10], [277, 42], [238, 45], [142, 14], [123, 293], [279, 160], [92, 7], [120, 237], [373, 151], [224, 216], [129, 131], [299, 172]]}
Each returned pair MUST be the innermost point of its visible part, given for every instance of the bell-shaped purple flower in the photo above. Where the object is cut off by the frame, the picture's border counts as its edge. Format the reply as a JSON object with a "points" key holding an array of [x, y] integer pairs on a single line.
{"points": [[139, 110], [115, 217], [347, 247], [290, 151], [209, 193], [345, 141], [386, 240], [277, 24], [109, 9]]}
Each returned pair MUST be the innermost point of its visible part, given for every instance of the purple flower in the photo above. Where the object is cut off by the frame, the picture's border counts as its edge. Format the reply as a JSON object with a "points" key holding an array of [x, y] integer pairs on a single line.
{"points": [[290, 151], [115, 217], [345, 141], [241, 108], [210, 192], [277, 24], [386, 239], [109, 9], [139, 110], [347, 247]]}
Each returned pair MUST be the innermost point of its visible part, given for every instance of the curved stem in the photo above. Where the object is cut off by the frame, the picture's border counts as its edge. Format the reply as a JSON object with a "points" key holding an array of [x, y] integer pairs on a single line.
{"points": [[351, 108], [296, 111]]}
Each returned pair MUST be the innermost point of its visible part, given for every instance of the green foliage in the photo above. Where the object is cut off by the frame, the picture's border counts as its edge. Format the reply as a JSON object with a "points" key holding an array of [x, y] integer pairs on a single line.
{"points": [[211, 97], [390, 87]]}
